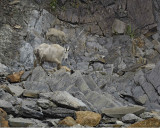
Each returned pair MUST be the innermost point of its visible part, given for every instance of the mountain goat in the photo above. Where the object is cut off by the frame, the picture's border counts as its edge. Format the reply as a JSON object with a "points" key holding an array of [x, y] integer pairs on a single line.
{"points": [[50, 53], [58, 34]]}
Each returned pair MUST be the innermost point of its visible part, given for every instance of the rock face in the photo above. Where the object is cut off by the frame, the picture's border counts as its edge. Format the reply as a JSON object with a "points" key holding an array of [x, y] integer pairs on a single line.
{"points": [[87, 118], [111, 72], [103, 13]]}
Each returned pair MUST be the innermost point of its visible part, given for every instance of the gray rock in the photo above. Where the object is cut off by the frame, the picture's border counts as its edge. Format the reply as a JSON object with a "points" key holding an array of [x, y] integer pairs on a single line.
{"points": [[25, 75], [16, 89], [153, 76], [82, 66], [146, 115], [7, 106], [37, 86], [118, 27], [31, 93], [150, 91], [26, 54], [100, 100], [38, 74], [130, 118], [82, 97], [91, 83], [20, 122], [9, 44], [30, 103], [3, 68], [98, 67], [143, 99], [44, 103], [121, 111], [58, 112], [40, 21], [63, 98], [53, 122], [109, 120], [148, 43], [30, 113], [155, 36]]}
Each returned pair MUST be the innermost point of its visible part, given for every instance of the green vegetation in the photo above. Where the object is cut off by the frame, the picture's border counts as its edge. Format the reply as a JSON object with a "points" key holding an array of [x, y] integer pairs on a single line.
{"points": [[130, 31], [53, 4]]}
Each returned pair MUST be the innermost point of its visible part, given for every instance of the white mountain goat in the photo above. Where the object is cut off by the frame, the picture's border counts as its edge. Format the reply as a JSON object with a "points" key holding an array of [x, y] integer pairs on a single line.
{"points": [[50, 53], [58, 34]]}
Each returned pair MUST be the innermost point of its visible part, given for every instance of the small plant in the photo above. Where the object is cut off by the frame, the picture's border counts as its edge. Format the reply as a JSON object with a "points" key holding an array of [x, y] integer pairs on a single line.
{"points": [[53, 4], [130, 32]]}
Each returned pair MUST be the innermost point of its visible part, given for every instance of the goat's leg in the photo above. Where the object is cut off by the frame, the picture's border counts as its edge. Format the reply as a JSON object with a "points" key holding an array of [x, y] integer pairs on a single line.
{"points": [[58, 66], [35, 63], [41, 64]]}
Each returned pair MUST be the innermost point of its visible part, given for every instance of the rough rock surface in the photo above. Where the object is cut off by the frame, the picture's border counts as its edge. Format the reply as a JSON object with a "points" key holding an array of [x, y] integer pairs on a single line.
{"points": [[87, 118], [110, 70], [68, 121]]}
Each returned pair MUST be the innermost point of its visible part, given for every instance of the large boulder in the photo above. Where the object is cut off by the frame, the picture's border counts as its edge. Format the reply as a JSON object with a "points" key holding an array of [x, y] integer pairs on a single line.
{"points": [[88, 118], [121, 111], [3, 118], [63, 98]]}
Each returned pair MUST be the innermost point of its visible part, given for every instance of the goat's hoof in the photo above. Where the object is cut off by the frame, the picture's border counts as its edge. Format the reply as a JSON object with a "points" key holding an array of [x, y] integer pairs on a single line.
{"points": [[72, 71]]}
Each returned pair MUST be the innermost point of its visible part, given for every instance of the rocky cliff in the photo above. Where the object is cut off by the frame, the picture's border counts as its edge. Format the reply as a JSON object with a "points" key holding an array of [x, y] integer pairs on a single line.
{"points": [[114, 52]]}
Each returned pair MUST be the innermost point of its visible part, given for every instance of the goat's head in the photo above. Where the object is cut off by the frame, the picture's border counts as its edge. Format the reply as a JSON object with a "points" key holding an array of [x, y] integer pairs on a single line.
{"points": [[66, 52]]}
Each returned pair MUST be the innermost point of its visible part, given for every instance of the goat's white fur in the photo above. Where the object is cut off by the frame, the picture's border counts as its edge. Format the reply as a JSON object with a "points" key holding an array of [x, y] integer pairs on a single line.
{"points": [[51, 53], [57, 33]]}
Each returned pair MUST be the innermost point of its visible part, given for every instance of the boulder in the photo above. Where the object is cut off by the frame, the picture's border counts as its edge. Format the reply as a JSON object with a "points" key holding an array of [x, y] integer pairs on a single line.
{"points": [[20, 122], [118, 112], [58, 113], [153, 76], [102, 100], [17, 90], [7, 106], [3, 118], [118, 27], [25, 75], [45, 103], [37, 86], [15, 77], [68, 121], [88, 118], [146, 115], [130, 118], [30, 113], [63, 98], [31, 93]]}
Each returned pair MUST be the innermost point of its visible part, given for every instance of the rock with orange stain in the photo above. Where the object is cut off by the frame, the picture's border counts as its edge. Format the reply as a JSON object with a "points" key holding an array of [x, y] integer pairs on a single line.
{"points": [[3, 118], [152, 122], [68, 121], [88, 118], [15, 77], [66, 68]]}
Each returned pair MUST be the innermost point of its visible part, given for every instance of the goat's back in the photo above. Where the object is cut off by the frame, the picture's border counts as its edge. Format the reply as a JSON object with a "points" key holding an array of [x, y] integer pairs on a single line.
{"points": [[50, 53]]}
